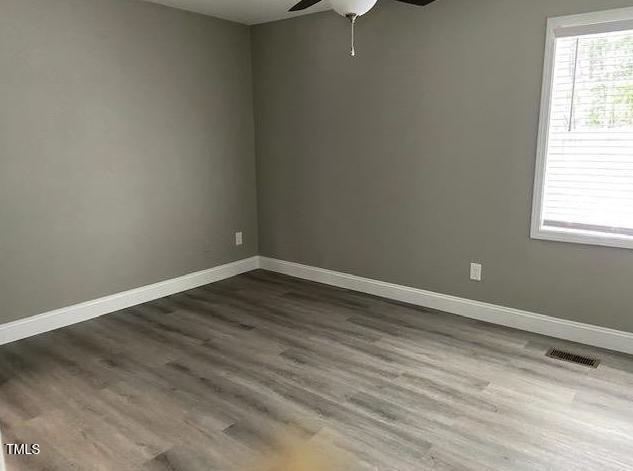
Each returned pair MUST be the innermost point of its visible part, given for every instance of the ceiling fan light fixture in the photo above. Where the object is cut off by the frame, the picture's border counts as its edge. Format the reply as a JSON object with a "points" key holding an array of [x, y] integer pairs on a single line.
{"points": [[352, 7]]}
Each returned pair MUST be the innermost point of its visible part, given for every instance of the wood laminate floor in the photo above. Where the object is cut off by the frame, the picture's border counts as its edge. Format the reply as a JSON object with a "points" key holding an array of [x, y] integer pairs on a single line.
{"points": [[208, 379]]}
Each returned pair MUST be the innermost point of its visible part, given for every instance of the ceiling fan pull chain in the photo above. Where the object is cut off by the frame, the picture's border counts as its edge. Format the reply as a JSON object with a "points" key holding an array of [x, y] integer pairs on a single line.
{"points": [[352, 19]]}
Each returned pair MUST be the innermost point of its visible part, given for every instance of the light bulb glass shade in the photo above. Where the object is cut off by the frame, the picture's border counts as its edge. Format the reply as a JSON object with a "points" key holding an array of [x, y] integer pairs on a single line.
{"points": [[356, 7]]}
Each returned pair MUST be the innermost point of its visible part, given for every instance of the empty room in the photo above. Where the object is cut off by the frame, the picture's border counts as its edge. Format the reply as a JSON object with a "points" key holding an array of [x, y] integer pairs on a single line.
{"points": [[316, 235]]}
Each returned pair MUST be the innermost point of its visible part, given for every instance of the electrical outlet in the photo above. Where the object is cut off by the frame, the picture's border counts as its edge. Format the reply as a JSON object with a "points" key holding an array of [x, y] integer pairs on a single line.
{"points": [[238, 238], [475, 271]]}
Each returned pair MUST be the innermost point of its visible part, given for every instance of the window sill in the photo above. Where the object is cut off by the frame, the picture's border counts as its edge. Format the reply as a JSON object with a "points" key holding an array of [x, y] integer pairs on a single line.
{"points": [[576, 236]]}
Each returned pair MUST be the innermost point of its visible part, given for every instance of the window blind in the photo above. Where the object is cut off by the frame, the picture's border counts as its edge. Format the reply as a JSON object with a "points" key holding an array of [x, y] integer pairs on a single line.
{"points": [[588, 179]]}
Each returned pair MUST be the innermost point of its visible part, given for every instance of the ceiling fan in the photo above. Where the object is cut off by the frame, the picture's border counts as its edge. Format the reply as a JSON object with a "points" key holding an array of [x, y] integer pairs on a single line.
{"points": [[352, 9]]}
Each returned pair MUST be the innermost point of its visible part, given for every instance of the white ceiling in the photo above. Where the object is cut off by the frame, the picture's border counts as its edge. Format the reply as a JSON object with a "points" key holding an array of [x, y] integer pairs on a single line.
{"points": [[249, 12]]}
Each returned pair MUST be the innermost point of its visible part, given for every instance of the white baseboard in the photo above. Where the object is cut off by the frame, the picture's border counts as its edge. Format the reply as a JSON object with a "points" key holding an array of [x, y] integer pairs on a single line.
{"points": [[524, 320], [58, 318]]}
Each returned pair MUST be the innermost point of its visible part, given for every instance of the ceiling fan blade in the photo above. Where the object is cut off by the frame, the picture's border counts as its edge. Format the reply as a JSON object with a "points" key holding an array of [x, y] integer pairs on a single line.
{"points": [[303, 4], [419, 3]]}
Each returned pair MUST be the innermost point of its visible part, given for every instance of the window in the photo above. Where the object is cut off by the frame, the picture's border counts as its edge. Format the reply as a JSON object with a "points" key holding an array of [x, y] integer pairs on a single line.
{"points": [[584, 177]]}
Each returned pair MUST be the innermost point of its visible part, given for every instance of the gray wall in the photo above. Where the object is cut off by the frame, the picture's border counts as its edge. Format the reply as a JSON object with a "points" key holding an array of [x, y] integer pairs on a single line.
{"points": [[417, 157], [126, 148]]}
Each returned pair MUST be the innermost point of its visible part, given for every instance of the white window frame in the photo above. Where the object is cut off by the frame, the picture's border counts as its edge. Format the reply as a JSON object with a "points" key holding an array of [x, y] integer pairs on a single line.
{"points": [[573, 25]]}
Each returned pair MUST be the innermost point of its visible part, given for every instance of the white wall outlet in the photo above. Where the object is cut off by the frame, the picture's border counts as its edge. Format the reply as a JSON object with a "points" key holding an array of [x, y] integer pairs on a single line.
{"points": [[238, 238], [475, 271]]}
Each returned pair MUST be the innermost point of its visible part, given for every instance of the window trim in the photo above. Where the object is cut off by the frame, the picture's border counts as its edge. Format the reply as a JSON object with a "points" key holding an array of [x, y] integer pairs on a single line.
{"points": [[557, 27]]}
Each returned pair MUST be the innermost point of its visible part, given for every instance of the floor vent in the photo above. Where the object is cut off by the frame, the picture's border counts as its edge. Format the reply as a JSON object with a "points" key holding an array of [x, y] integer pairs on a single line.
{"points": [[572, 358]]}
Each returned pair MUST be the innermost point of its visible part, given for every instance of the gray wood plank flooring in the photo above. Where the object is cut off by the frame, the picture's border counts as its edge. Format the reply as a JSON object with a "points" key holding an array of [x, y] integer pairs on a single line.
{"points": [[211, 378]]}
